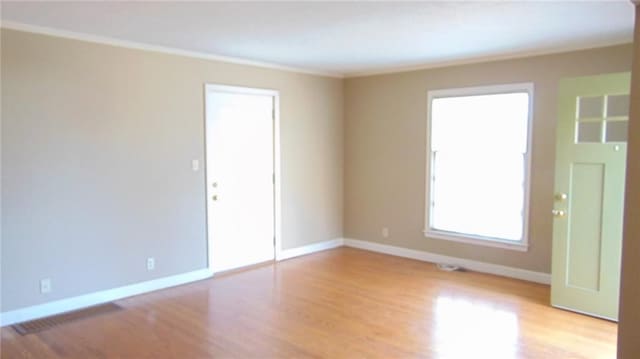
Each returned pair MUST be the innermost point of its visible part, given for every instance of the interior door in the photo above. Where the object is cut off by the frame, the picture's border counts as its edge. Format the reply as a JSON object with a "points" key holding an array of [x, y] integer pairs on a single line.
{"points": [[240, 176], [591, 152]]}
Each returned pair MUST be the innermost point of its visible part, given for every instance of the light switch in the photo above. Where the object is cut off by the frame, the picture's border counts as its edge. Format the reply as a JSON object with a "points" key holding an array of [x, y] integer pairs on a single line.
{"points": [[195, 165]]}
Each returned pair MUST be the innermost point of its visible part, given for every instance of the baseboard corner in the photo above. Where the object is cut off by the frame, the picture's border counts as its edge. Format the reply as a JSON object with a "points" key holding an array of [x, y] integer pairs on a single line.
{"points": [[310, 248]]}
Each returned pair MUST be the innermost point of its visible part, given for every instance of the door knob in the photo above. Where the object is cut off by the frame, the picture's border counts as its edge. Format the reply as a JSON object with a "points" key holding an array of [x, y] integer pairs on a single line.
{"points": [[558, 213], [215, 197]]}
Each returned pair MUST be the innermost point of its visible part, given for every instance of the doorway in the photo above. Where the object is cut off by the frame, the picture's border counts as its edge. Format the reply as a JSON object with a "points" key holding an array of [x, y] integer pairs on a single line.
{"points": [[242, 148]]}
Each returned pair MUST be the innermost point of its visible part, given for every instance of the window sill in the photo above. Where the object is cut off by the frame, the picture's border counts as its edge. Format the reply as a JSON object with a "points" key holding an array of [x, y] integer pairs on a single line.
{"points": [[480, 241]]}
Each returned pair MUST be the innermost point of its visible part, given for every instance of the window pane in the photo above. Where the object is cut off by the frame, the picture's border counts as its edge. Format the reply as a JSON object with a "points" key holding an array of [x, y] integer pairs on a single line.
{"points": [[590, 107], [497, 122], [479, 193], [617, 131], [589, 132], [618, 105]]}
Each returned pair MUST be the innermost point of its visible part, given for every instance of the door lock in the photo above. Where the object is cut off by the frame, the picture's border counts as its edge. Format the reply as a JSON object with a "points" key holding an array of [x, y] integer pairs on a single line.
{"points": [[215, 197], [561, 196], [558, 213]]}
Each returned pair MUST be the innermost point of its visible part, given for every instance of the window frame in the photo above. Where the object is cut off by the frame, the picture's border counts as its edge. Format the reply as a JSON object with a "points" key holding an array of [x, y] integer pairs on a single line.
{"points": [[433, 233]]}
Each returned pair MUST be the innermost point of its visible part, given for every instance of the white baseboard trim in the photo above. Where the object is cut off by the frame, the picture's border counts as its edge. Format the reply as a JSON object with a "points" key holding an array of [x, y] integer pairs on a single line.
{"points": [[87, 300], [531, 276], [308, 249]]}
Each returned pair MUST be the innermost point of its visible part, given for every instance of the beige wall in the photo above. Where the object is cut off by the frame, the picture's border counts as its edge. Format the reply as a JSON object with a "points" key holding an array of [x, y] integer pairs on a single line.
{"points": [[385, 149], [628, 343], [97, 143]]}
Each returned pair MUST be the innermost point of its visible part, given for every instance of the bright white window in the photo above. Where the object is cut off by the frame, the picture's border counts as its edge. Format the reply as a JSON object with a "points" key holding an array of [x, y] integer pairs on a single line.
{"points": [[478, 165]]}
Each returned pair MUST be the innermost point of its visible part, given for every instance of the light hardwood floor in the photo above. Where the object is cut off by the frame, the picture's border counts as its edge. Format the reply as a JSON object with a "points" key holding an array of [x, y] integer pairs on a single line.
{"points": [[342, 303]]}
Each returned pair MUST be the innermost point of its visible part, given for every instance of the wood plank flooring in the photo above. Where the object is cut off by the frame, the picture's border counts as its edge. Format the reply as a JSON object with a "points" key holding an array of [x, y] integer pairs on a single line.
{"points": [[342, 303]]}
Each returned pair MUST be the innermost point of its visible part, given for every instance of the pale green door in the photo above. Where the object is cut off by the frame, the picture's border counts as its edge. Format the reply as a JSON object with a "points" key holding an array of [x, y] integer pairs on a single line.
{"points": [[589, 193]]}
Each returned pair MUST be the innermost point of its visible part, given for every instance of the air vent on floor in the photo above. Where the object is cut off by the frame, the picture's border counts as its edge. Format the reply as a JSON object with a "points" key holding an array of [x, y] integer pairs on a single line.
{"points": [[449, 267], [39, 325]]}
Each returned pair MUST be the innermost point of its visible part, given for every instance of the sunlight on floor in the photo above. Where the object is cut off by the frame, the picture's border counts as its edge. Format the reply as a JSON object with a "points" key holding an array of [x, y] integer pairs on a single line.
{"points": [[474, 329]]}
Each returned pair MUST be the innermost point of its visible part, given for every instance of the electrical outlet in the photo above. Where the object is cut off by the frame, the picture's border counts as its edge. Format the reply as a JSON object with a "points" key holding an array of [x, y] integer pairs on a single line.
{"points": [[45, 286], [151, 263], [385, 232]]}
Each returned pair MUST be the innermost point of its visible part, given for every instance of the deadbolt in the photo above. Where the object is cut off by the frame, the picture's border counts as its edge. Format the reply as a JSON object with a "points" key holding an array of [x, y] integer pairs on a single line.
{"points": [[561, 196]]}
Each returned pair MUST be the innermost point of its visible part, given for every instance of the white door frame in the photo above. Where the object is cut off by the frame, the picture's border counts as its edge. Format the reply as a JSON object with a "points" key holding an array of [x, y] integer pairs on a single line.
{"points": [[277, 225]]}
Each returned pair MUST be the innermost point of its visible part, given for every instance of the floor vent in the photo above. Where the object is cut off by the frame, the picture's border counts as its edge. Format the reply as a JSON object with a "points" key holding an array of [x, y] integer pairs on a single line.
{"points": [[39, 325]]}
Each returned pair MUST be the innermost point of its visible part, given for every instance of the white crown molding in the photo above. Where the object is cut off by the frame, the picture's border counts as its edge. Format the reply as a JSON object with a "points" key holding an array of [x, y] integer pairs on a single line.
{"points": [[12, 25], [500, 270], [91, 299], [483, 59], [308, 249]]}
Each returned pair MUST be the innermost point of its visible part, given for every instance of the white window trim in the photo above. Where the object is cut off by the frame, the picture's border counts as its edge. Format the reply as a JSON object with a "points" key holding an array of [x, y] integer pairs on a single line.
{"points": [[432, 233]]}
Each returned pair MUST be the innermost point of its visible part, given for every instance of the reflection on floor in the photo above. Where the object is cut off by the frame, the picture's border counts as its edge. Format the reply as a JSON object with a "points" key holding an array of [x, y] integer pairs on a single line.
{"points": [[339, 303], [481, 326]]}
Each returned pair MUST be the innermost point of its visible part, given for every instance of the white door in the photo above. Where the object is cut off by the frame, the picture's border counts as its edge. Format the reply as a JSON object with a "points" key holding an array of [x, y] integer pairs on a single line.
{"points": [[590, 177], [240, 176]]}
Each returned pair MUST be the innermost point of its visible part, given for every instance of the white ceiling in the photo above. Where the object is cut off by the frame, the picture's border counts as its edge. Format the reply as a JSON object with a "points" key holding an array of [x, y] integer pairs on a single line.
{"points": [[343, 38]]}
